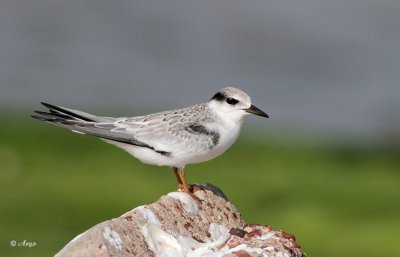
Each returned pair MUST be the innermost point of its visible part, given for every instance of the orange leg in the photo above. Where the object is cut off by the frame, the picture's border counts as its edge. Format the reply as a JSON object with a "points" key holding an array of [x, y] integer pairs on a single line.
{"points": [[180, 176], [184, 183]]}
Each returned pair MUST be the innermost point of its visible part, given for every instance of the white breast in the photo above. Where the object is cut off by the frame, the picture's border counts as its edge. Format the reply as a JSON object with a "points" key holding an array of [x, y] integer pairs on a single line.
{"points": [[228, 135]]}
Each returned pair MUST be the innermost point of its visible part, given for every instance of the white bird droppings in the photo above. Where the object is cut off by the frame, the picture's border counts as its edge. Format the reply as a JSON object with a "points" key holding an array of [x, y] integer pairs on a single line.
{"points": [[246, 248], [186, 200], [148, 215], [112, 238], [161, 243], [219, 235]]}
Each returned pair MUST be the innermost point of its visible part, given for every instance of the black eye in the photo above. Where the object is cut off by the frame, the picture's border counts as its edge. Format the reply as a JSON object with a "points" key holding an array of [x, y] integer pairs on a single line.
{"points": [[232, 101]]}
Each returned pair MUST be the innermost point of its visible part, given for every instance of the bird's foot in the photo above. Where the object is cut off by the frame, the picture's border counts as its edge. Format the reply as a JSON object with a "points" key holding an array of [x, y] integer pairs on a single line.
{"points": [[190, 190]]}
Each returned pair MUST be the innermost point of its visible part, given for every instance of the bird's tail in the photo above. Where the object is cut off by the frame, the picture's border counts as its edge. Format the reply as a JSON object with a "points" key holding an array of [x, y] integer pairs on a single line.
{"points": [[60, 114], [65, 117], [82, 122]]}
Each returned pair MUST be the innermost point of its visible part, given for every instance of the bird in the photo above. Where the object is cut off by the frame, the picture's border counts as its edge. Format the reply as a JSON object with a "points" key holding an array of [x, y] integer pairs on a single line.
{"points": [[173, 138]]}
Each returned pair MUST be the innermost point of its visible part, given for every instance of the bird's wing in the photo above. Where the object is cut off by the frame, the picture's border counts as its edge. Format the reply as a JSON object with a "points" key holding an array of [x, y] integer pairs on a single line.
{"points": [[164, 132], [185, 129]]}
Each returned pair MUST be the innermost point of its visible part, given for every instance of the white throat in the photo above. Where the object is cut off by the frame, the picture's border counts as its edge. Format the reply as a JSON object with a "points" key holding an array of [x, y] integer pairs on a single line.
{"points": [[228, 116]]}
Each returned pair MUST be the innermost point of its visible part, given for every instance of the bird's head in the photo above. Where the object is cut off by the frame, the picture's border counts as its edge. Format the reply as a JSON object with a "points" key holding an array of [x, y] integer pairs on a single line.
{"points": [[232, 103]]}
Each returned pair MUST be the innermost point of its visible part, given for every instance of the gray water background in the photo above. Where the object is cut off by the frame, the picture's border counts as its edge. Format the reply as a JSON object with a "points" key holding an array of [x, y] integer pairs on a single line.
{"points": [[324, 67]]}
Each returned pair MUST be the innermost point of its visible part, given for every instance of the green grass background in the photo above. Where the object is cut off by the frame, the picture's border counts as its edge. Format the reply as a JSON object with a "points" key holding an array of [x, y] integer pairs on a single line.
{"points": [[339, 197]]}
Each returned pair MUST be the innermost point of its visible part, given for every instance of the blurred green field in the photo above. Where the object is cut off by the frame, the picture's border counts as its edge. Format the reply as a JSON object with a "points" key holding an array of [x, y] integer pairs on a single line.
{"points": [[339, 199]]}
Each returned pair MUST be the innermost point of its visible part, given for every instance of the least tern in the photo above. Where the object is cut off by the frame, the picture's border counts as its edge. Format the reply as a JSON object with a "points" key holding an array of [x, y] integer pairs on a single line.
{"points": [[172, 138]]}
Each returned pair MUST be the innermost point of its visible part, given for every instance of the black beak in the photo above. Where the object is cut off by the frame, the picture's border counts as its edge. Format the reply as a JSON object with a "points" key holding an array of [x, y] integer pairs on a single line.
{"points": [[256, 111]]}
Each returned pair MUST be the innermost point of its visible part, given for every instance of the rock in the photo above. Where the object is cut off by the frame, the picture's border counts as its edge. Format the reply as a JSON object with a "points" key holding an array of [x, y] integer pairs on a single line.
{"points": [[177, 225]]}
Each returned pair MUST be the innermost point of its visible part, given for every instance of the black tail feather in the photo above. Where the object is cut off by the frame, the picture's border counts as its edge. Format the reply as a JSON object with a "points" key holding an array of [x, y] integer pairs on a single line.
{"points": [[41, 118], [54, 115], [59, 110]]}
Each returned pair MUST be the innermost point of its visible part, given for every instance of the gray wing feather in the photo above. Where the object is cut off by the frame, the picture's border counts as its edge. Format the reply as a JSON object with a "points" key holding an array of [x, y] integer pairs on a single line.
{"points": [[174, 130], [164, 132]]}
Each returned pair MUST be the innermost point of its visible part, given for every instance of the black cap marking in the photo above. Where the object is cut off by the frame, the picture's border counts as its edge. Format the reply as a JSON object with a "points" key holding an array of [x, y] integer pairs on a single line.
{"points": [[219, 97]]}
